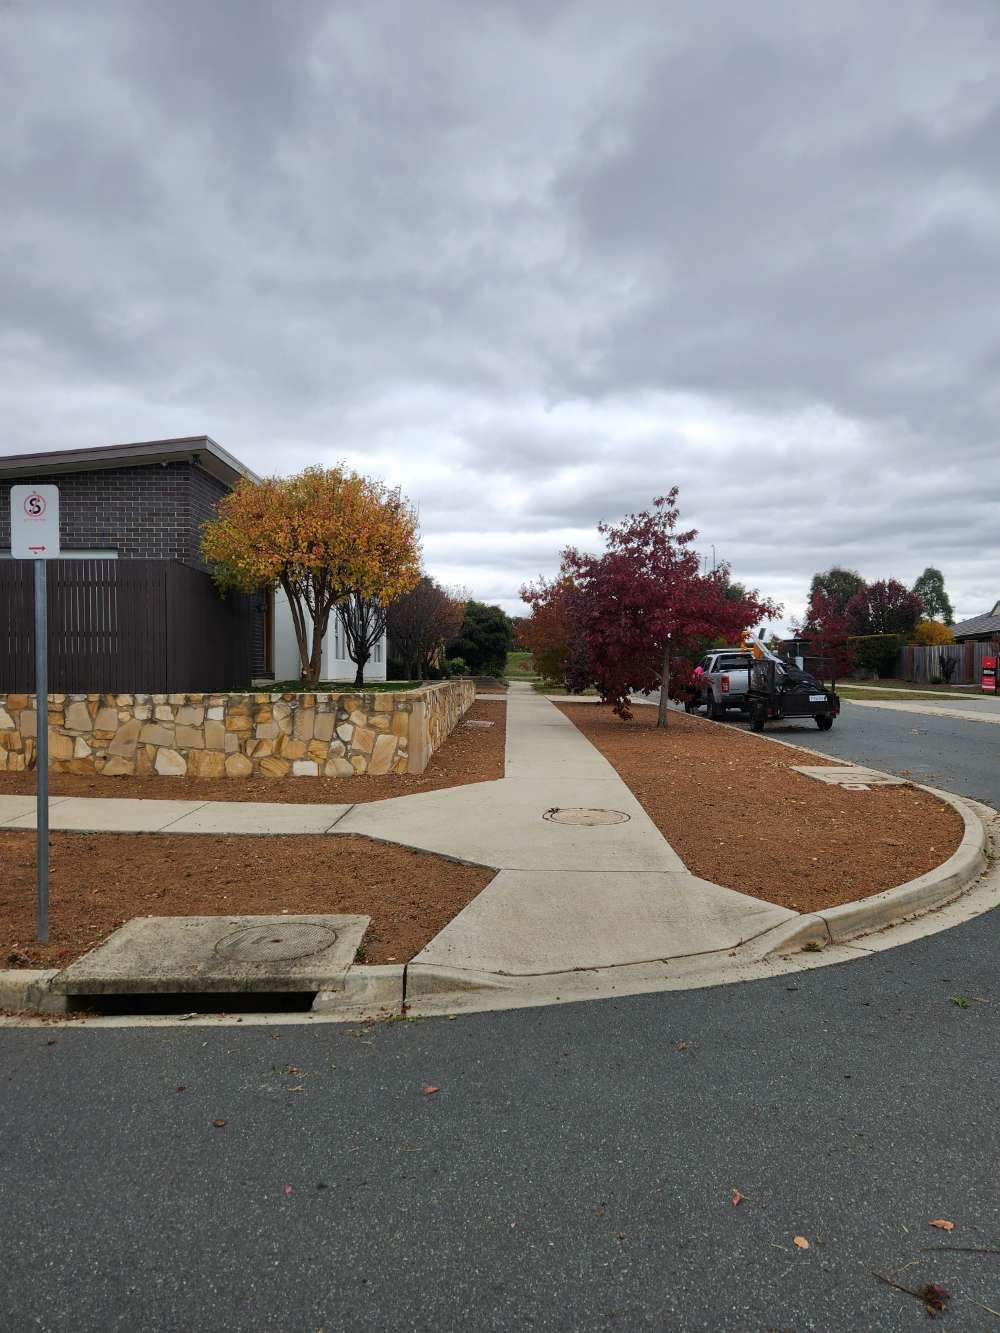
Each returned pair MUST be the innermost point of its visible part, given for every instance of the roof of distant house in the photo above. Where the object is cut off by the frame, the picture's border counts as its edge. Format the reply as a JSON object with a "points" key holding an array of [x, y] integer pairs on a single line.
{"points": [[988, 624], [199, 449]]}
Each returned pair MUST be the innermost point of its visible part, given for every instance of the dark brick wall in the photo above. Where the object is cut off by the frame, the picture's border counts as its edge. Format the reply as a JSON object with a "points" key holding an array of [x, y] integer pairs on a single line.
{"points": [[151, 512]]}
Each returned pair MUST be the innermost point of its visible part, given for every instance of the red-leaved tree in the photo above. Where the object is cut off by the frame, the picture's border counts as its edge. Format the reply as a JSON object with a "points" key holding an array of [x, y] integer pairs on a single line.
{"points": [[645, 600], [825, 631], [554, 631], [885, 607]]}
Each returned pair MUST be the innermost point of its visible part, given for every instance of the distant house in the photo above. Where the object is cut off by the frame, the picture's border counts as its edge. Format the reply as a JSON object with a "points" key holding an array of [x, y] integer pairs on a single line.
{"points": [[980, 629], [336, 663], [132, 606]]}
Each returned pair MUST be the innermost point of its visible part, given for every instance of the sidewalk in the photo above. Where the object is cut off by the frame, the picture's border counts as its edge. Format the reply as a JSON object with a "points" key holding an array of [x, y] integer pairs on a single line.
{"points": [[567, 896], [984, 710]]}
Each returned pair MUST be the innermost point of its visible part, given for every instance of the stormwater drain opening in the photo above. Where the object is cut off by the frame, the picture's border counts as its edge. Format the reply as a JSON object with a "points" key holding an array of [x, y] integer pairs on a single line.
{"points": [[276, 944], [192, 1003], [585, 818]]}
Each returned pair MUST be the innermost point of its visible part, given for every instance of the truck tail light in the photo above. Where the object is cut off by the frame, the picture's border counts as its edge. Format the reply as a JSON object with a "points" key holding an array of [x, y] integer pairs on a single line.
{"points": [[724, 685]]}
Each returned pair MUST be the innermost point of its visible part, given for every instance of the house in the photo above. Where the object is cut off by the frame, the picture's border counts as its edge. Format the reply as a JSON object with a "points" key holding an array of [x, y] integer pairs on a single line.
{"points": [[131, 604], [336, 663], [133, 607], [980, 629]]}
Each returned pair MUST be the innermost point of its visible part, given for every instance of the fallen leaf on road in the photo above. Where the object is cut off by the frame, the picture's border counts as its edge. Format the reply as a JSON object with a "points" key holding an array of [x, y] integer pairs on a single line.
{"points": [[737, 1198], [292, 1069], [299, 1088], [219, 1124], [934, 1297], [942, 1224], [429, 1089], [680, 1045], [288, 1190], [800, 1242], [180, 1088]]}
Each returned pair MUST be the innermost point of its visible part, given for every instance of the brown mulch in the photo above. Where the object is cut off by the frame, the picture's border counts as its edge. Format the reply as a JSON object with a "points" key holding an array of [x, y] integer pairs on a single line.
{"points": [[736, 814], [470, 754], [97, 882]]}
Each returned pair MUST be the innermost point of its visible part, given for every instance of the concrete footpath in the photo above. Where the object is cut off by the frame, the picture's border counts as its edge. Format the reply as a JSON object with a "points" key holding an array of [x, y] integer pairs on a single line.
{"points": [[585, 880], [588, 897], [969, 710]]}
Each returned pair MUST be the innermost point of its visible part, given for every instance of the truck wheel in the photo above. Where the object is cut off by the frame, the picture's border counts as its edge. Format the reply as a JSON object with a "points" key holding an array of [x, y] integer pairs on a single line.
{"points": [[712, 708], [824, 721], [758, 717]]}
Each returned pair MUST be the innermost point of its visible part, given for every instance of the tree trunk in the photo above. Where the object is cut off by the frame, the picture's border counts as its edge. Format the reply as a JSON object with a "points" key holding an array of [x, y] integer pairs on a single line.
{"points": [[314, 667], [662, 711], [299, 625]]}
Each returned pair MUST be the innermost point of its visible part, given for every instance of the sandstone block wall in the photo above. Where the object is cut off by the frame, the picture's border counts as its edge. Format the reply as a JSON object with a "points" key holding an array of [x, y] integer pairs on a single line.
{"points": [[236, 735]]}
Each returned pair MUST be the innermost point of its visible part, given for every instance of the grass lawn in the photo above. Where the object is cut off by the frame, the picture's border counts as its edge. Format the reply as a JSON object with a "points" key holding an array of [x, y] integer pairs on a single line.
{"points": [[873, 696], [334, 687], [911, 687]]}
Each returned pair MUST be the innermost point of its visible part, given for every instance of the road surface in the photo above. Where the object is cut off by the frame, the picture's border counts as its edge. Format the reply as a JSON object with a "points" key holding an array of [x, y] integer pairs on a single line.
{"points": [[957, 755], [575, 1169]]}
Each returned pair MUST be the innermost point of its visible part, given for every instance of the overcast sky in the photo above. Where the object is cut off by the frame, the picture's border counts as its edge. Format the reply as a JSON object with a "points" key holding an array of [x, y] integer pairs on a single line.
{"points": [[535, 261]]}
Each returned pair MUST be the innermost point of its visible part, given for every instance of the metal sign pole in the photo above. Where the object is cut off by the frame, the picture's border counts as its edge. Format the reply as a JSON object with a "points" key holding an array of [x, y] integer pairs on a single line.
{"points": [[42, 747]]}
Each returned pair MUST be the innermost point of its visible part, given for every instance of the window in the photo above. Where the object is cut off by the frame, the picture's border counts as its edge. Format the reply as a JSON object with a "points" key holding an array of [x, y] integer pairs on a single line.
{"points": [[339, 647], [377, 652]]}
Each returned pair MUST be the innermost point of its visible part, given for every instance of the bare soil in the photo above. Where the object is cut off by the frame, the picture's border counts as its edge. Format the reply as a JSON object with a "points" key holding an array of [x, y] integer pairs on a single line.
{"points": [[470, 754], [98, 882], [735, 812]]}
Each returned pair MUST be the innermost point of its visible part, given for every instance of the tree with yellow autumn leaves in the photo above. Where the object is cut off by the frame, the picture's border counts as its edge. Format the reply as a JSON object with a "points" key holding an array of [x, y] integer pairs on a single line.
{"points": [[329, 537]]}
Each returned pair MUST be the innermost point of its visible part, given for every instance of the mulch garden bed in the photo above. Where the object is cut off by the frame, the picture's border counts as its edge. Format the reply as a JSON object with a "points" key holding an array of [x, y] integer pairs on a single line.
{"points": [[736, 814], [470, 754], [98, 882]]}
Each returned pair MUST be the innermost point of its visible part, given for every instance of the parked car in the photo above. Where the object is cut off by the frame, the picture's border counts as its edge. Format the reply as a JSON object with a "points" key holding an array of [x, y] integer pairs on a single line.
{"points": [[723, 681]]}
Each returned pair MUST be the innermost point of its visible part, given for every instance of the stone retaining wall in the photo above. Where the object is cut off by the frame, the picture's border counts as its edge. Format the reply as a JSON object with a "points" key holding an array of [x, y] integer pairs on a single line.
{"points": [[236, 735]]}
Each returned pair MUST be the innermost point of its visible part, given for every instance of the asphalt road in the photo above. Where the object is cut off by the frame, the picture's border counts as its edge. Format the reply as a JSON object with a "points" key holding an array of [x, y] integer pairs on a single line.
{"points": [[941, 751], [575, 1170]]}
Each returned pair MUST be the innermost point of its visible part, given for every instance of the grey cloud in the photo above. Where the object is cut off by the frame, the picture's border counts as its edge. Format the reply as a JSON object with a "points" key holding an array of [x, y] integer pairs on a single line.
{"points": [[536, 262]]}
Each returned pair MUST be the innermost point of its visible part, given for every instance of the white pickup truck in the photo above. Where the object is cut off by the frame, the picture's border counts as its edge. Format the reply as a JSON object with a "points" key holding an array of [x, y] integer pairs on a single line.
{"points": [[724, 680]]}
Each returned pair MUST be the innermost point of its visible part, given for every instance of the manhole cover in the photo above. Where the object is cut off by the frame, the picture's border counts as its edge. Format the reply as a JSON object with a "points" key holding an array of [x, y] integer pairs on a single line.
{"points": [[276, 944], [585, 817], [475, 722]]}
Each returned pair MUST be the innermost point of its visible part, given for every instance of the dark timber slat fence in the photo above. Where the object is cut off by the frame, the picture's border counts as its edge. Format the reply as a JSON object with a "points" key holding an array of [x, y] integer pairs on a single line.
{"points": [[923, 664], [126, 626]]}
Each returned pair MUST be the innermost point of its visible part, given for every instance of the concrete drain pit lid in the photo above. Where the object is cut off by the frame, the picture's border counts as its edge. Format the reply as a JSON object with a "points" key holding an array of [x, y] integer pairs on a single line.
{"points": [[584, 818], [853, 778], [162, 955], [477, 722]]}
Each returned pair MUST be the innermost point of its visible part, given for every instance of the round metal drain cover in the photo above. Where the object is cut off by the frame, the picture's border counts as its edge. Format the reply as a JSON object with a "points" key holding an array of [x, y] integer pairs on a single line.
{"points": [[585, 818], [277, 943]]}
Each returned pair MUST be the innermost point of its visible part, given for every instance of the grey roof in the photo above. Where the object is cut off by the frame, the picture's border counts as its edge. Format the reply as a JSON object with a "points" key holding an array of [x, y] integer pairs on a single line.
{"points": [[979, 625], [210, 457]]}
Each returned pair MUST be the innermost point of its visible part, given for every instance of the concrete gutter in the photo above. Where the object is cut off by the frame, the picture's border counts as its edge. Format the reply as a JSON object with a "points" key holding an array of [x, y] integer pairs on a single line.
{"points": [[964, 886]]}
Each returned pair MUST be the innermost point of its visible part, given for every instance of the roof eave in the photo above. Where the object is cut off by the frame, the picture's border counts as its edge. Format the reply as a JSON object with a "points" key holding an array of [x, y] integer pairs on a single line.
{"points": [[212, 458]]}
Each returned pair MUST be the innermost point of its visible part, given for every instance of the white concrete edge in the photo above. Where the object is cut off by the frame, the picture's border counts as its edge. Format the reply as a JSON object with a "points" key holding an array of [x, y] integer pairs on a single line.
{"points": [[369, 991], [964, 886], [749, 963]]}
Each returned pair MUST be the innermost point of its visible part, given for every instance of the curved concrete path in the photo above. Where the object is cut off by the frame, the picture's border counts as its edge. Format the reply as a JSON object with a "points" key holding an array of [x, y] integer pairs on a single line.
{"points": [[567, 896]]}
